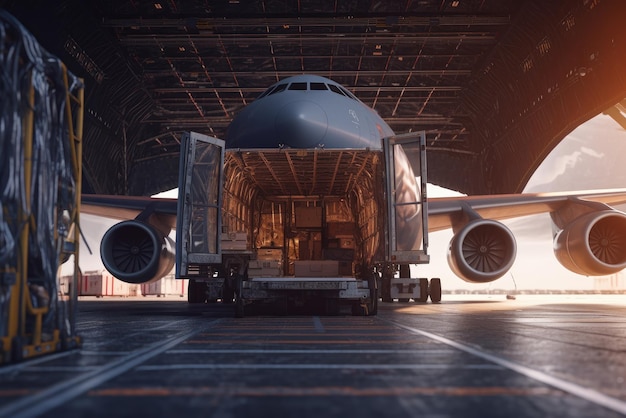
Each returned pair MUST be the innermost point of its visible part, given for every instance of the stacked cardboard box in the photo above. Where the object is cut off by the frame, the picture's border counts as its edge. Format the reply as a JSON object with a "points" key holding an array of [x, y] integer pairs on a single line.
{"points": [[316, 268], [264, 268], [234, 241]]}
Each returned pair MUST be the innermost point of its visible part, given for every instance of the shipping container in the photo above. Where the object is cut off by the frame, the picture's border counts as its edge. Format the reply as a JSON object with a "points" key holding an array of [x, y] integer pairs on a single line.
{"points": [[101, 283], [165, 286]]}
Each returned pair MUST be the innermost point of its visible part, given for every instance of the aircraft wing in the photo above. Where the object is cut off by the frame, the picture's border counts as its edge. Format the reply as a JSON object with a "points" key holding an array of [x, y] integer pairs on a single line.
{"points": [[129, 207], [443, 213], [590, 241], [125, 207]]}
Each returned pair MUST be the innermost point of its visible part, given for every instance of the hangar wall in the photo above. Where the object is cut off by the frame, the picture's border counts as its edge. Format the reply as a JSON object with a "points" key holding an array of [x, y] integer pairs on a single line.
{"points": [[535, 88]]}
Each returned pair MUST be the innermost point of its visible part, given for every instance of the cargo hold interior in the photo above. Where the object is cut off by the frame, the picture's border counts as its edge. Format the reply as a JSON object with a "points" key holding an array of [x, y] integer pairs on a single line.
{"points": [[304, 213]]}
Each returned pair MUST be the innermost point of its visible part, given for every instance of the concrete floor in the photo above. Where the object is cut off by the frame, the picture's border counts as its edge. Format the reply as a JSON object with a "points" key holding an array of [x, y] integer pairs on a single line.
{"points": [[471, 355]]}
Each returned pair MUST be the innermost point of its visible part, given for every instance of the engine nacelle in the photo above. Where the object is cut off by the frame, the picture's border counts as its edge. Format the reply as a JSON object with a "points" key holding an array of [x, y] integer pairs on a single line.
{"points": [[594, 244], [136, 252], [482, 251]]}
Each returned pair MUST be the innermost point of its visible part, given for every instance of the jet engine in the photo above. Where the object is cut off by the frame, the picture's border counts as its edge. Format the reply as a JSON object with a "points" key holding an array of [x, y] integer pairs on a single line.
{"points": [[136, 252], [594, 244], [482, 251]]}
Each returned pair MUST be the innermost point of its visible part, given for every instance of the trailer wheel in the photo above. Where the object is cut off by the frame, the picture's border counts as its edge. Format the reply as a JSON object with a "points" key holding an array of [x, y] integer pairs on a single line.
{"points": [[435, 290], [332, 307], [196, 291], [386, 292], [405, 272], [371, 282], [359, 310], [423, 291], [17, 349], [385, 288], [367, 309], [239, 307], [228, 290]]}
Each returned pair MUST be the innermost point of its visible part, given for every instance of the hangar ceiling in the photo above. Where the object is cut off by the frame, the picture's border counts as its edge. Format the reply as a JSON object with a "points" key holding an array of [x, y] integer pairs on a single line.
{"points": [[495, 83]]}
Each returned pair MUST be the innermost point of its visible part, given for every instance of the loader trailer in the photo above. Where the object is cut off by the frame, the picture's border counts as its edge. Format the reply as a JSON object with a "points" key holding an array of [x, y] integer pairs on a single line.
{"points": [[309, 226]]}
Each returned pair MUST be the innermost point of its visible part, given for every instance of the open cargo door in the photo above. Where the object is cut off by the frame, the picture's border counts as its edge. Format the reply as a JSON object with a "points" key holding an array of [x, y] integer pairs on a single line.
{"points": [[405, 165], [199, 202]]}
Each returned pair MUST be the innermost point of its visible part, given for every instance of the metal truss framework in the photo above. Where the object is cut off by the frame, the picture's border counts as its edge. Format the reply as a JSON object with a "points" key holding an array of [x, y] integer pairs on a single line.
{"points": [[496, 84]]}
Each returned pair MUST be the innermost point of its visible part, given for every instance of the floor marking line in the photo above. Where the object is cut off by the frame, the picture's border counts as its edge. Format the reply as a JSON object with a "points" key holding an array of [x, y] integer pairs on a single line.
{"points": [[104, 353], [319, 327], [305, 351], [316, 366], [34, 362], [317, 391], [317, 341], [53, 369], [132, 335], [582, 392], [54, 396]]}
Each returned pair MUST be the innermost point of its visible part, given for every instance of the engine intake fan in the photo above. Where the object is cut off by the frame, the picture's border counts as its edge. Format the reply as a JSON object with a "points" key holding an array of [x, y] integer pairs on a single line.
{"points": [[482, 251], [594, 244], [135, 252]]}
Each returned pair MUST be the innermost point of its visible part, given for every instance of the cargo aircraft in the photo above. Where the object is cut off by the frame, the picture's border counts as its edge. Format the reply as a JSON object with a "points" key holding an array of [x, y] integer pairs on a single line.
{"points": [[313, 198]]}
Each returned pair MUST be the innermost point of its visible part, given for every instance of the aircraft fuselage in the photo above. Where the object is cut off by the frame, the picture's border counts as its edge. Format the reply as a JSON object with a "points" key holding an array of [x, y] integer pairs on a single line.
{"points": [[307, 111]]}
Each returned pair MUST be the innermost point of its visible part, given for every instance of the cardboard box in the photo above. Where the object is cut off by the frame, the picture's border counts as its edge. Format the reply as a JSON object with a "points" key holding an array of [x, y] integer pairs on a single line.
{"points": [[341, 254], [308, 217], [338, 229], [234, 236], [269, 254], [234, 240], [316, 268], [265, 268], [310, 250], [346, 243], [264, 272], [260, 264], [345, 268]]}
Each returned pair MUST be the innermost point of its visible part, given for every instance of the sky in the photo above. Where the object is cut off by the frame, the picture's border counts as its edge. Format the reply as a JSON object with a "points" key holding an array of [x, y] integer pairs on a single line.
{"points": [[590, 157]]}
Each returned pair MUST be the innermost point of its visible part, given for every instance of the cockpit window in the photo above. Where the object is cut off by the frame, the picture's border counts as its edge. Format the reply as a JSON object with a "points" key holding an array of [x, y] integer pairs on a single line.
{"points": [[335, 89], [318, 86], [347, 93], [297, 86], [277, 89], [302, 86], [266, 92]]}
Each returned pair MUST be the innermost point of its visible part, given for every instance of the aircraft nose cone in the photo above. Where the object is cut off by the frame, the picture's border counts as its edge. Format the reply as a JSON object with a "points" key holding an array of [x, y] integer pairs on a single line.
{"points": [[302, 124]]}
